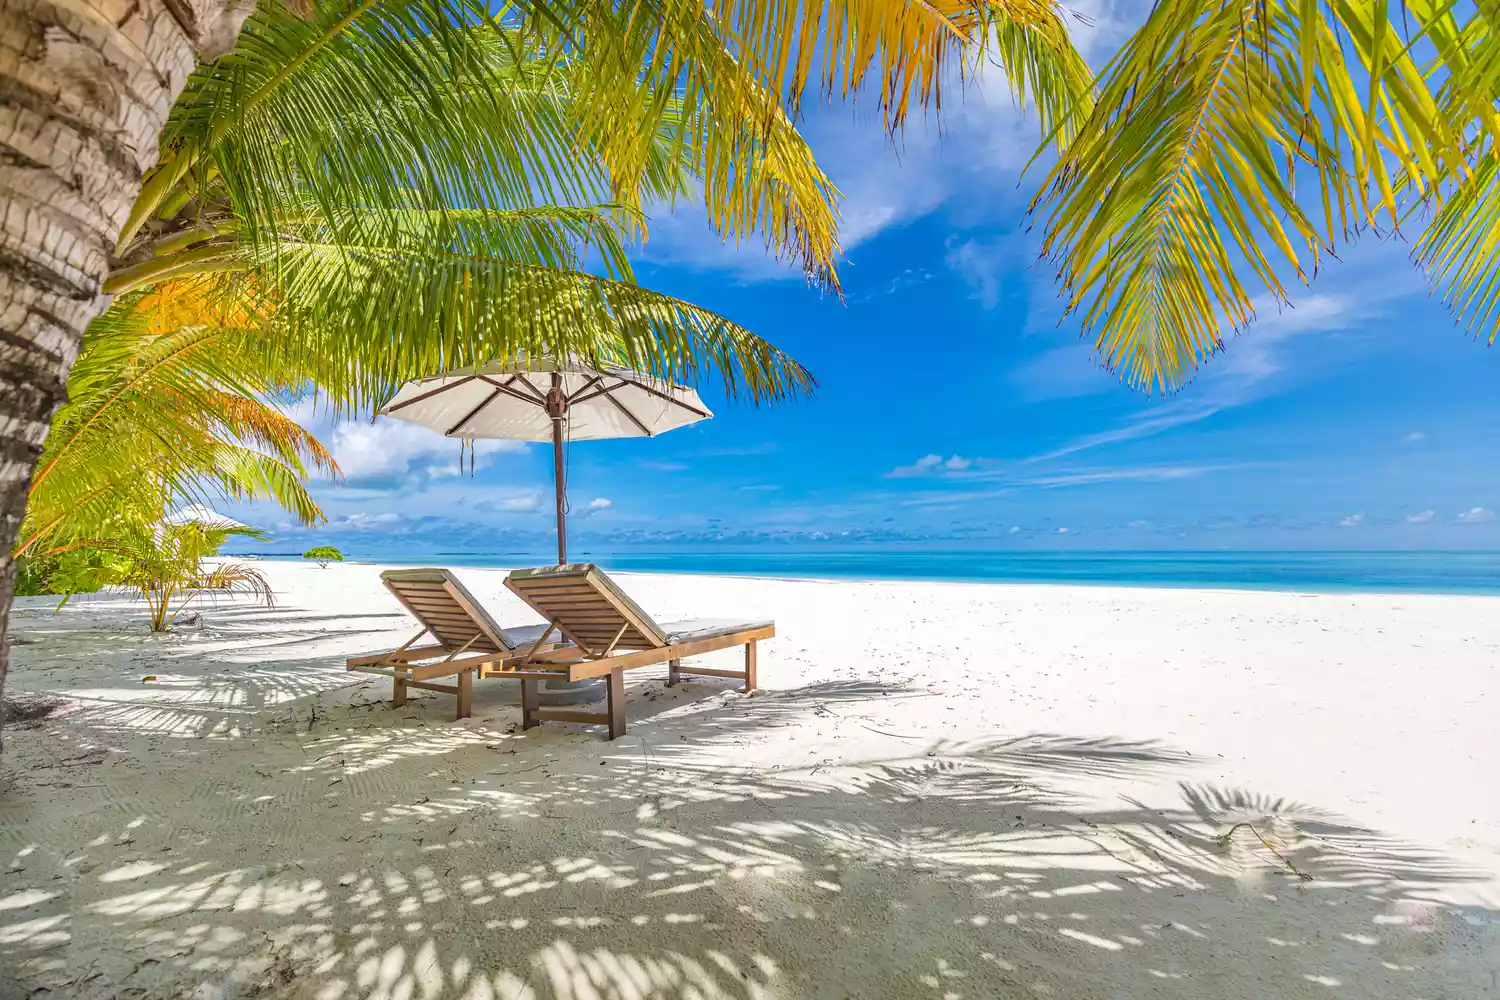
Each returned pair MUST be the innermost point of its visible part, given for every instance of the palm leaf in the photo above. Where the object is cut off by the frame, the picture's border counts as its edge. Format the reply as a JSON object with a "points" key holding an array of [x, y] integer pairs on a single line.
{"points": [[1181, 190]]}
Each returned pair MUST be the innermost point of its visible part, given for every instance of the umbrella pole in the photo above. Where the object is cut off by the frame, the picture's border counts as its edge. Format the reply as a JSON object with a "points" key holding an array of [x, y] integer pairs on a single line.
{"points": [[556, 408], [557, 479]]}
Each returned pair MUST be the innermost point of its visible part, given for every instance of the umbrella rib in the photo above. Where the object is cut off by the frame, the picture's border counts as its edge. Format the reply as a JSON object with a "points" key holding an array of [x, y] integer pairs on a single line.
{"points": [[595, 394], [505, 387], [450, 432], [428, 394], [609, 394], [541, 397], [576, 397], [662, 395]]}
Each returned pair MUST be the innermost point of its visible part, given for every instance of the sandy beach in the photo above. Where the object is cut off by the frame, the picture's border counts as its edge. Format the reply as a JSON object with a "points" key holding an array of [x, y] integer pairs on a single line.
{"points": [[941, 790]]}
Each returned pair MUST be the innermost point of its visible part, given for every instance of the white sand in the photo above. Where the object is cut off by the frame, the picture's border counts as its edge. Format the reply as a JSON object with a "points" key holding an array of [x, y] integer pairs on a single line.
{"points": [[955, 791]]}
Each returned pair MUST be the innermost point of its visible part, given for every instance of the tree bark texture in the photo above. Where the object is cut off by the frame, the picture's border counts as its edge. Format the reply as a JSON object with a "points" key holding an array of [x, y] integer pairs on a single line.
{"points": [[85, 88]]}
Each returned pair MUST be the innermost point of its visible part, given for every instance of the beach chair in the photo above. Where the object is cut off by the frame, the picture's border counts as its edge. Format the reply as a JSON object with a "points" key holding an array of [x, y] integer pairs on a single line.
{"points": [[608, 634], [465, 638]]}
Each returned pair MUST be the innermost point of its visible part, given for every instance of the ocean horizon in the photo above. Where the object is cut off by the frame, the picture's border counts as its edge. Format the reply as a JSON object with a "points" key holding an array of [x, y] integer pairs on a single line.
{"points": [[1414, 572]]}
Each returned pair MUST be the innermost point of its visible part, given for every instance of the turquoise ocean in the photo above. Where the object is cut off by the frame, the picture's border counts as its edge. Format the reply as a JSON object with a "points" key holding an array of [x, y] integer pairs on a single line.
{"points": [[1327, 572]]}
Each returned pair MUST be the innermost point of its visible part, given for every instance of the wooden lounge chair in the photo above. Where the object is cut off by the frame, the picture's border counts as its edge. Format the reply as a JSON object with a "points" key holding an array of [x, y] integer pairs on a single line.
{"points": [[465, 638], [608, 634]]}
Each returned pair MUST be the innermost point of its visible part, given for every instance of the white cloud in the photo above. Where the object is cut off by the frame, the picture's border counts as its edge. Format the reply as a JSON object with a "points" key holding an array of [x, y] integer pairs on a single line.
{"points": [[1154, 422], [931, 465], [364, 522], [390, 450], [1062, 531], [1352, 521], [1085, 477], [967, 158], [394, 449], [594, 506], [1414, 436], [1015, 529], [1421, 517], [1477, 515]]}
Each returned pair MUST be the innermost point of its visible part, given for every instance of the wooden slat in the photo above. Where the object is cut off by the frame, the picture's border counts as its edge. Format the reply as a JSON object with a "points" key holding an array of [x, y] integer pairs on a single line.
{"points": [[402, 587], [414, 653], [582, 607], [452, 621], [659, 654], [502, 670], [481, 618], [559, 589], [435, 605], [429, 686], [706, 672]]}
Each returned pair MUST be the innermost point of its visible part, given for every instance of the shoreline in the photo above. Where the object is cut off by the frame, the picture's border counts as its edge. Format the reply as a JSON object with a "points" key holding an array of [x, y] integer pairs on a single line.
{"points": [[1104, 583]]}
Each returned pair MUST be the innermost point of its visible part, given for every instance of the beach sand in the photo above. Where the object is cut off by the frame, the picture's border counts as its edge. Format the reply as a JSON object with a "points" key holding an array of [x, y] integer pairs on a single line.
{"points": [[942, 790]]}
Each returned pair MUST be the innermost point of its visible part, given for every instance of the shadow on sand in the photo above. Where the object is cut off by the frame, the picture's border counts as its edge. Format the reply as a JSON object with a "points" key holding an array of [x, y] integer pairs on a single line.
{"points": [[427, 861]]}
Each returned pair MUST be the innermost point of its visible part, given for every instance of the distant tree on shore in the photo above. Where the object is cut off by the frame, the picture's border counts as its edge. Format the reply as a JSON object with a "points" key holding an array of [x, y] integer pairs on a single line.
{"points": [[324, 554]]}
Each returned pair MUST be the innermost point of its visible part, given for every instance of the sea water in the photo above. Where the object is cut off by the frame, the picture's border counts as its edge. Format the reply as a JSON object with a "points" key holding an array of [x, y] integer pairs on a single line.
{"points": [[1409, 572]]}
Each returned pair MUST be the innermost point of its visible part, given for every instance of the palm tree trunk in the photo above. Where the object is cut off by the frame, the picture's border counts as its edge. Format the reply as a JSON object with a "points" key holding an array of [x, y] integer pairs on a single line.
{"points": [[84, 90]]}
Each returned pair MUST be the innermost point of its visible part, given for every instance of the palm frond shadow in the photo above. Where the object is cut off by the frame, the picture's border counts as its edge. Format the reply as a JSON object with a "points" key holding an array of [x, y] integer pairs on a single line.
{"points": [[373, 859]]}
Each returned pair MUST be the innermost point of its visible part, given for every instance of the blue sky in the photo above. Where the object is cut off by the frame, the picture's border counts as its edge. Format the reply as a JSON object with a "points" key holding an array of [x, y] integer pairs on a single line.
{"points": [[954, 408]]}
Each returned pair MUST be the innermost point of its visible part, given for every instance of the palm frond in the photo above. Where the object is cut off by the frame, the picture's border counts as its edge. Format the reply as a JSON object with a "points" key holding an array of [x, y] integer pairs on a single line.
{"points": [[160, 413], [360, 321], [1181, 191]]}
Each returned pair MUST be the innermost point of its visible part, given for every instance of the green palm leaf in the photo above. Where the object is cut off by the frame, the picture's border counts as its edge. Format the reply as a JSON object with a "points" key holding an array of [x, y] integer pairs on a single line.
{"points": [[1229, 146]]}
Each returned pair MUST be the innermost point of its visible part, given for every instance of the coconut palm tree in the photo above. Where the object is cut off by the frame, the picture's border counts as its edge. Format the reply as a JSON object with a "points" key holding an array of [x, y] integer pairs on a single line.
{"points": [[101, 169], [1233, 147]]}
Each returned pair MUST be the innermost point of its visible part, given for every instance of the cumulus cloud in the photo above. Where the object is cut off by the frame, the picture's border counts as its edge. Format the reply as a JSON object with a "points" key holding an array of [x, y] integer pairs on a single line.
{"points": [[931, 465], [1421, 517], [1414, 436], [393, 450], [593, 507], [1477, 515], [1015, 529], [1352, 521], [364, 522]]}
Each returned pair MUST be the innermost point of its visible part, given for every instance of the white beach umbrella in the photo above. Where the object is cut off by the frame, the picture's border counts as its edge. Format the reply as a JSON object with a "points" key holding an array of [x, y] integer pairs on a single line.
{"points": [[547, 400], [197, 513]]}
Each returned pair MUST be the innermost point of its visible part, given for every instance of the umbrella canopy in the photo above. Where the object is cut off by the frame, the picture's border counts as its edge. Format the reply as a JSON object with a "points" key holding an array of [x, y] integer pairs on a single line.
{"points": [[547, 399], [511, 401], [197, 513]]}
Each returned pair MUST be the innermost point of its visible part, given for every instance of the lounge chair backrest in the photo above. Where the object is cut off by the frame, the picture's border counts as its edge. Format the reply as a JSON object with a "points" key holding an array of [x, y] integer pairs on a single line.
{"points": [[587, 607], [450, 613]]}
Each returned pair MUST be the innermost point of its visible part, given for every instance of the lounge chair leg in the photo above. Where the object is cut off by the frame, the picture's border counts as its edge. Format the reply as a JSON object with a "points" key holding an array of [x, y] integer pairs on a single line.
{"points": [[529, 703], [750, 665], [616, 704], [465, 694], [674, 673], [398, 693]]}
